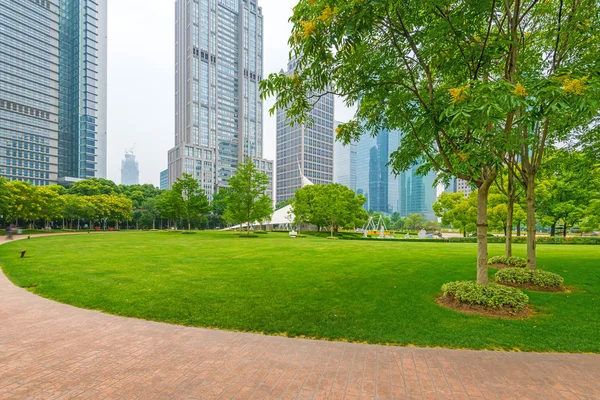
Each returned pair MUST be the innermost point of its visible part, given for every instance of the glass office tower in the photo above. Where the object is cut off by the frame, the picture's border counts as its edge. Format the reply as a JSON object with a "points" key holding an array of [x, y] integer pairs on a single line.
{"points": [[374, 178], [305, 149], [52, 90], [407, 193], [218, 110], [344, 163], [82, 77], [29, 98]]}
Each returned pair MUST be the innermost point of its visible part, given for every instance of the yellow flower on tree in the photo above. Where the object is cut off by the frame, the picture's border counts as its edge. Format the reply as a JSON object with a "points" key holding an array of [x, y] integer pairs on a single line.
{"points": [[312, 2], [309, 28], [338, 130], [459, 94], [520, 90], [574, 86], [327, 14]]}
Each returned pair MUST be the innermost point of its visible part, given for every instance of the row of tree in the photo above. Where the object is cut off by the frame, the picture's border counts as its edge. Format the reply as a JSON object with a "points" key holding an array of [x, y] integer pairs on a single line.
{"points": [[476, 87], [93, 202], [569, 193]]}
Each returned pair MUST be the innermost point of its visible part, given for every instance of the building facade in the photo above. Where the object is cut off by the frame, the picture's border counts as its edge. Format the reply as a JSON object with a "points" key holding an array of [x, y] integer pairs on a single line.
{"points": [[218, 110], [29, 91], [408, 193], [459, 185], [305, 150], [164, 180], [82, 78], [52, 90], [344, 163], [130, 170]]}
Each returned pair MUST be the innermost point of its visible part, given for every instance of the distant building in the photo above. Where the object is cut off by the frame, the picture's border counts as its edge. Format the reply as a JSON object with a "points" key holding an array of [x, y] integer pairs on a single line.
{"points": [[459, 185], [130, 171], [218, 109], [387, 193], [305, 150], [164, 179], [417, 193], [344, 163]]}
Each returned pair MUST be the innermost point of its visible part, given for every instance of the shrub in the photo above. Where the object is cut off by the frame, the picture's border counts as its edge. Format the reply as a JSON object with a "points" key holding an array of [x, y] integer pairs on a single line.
{"points": [[492, 295], [248, 236], [260, 232], [533, 276], [515, 262], [189, 232]]}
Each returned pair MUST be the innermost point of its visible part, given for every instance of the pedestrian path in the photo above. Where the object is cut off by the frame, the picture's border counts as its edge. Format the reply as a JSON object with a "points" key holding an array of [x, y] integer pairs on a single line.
{"points": [[50, 350]]}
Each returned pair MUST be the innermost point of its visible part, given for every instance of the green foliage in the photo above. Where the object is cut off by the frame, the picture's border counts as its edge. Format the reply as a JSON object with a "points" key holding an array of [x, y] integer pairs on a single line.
{"points": [[93, 187], [247, 199], [535, 277], [191, 198], [415, 222], [334, 206], [458, 211], [491, 295], [515, 262]]}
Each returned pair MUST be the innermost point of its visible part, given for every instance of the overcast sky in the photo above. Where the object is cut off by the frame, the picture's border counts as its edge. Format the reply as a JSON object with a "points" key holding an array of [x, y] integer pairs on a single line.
{"points": [[141, 80]]}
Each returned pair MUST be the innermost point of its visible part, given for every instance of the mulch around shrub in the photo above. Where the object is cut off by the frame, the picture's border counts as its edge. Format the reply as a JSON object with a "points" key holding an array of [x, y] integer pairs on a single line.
{"points": [[536, 288], [504, 312]]}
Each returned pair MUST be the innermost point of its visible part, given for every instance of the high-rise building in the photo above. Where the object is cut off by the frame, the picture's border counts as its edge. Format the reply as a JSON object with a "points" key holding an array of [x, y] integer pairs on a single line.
{"points": [[82, 98], [344, 163], [52, 90], [459, 185], [29, 90], [407, 193], [374, 178], [130, 170], [305, 150], [164, 179], [417, 193], [218, 109]]}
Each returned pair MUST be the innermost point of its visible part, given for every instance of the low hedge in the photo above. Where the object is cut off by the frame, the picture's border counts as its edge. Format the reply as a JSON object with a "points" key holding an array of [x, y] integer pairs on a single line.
{"points": [[491, 295], [189, 233], [243, 235], [514, 262], [539, 240], [529, 276]]}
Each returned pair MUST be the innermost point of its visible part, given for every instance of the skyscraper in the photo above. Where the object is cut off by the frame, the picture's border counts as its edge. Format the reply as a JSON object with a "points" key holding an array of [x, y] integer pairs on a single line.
{"points": [[408, 193], [82, 98], [52, 90], [305, 149], [417, 193], [29, 86], [130, 170], [344, 163], [374, 178], [218, 110]]}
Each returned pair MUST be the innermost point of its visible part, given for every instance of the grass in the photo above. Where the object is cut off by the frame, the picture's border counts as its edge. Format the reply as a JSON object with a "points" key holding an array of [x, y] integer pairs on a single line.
{"points": [[375, 292]]}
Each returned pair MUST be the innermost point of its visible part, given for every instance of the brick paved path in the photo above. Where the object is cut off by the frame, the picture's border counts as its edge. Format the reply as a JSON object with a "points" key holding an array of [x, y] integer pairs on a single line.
{"points": [[50, 350]]}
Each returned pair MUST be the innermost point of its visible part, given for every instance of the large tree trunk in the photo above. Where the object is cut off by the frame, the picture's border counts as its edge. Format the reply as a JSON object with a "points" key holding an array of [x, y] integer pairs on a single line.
{"points": [[553, 229], [565, 229], [153, 223], [531, 233], [510, 213], [482, 230]]}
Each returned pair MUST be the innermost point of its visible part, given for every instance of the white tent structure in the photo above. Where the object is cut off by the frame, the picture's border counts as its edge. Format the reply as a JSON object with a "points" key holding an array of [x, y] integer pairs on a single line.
{"points": [[282, 218]]}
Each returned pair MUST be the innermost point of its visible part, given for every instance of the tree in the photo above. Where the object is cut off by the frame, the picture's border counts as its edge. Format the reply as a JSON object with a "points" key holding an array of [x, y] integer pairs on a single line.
{"points": [[92, 187], [333, 205], [194, 202], [50, 205], [415, 222], [219, 204], [170, 206], [151, 211], [458, 211], [21, 202], [570, 182], [452, 76], [247, 200]]}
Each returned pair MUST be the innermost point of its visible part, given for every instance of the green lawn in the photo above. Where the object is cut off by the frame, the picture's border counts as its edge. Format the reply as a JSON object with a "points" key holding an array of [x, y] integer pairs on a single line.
{"points": [[375, 292]]}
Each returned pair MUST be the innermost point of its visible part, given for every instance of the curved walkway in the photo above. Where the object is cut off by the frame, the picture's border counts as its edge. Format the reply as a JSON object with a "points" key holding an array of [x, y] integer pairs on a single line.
{"points": [[50, 350]]}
